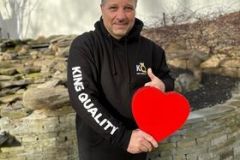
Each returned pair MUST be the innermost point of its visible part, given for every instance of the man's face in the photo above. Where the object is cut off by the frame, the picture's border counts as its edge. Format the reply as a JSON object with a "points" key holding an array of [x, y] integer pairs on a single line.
{"points": [[118, 16]]}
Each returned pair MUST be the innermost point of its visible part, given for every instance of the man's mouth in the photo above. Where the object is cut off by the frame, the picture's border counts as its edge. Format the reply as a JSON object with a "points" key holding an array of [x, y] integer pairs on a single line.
{"points": [[120, 24]]}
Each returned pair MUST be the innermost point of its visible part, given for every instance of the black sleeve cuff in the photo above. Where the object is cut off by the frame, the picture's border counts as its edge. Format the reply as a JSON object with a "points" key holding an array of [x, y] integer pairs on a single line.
{"points": [[126, 139], [169, 84]]}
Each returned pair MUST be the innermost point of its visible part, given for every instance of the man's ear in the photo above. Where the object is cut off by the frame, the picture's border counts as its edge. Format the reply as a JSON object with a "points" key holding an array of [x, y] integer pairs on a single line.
{"points": [[101, 6]]}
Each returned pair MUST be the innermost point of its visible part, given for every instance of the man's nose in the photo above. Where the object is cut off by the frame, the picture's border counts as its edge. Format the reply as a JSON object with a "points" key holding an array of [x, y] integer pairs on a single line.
{"points": [[121, 15]]}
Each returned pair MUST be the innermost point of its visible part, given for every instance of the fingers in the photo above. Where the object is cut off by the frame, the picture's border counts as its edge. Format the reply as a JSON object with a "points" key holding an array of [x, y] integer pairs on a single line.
{"points": [[150, 139], [155, 81], [148, 84], [140, 141], [145, 146], [150, 74]]}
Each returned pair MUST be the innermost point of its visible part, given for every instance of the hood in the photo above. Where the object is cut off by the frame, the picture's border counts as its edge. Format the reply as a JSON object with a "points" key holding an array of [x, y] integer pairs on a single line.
{"points": [[133, 35]]}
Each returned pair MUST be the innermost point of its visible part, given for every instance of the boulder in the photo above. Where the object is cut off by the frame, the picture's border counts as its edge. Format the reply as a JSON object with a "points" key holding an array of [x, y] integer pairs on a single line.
{"points": [[45, 98]]}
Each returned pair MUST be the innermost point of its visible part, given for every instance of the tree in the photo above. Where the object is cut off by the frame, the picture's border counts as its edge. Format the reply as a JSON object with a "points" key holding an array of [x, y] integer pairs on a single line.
{"points": [[18, 16]]}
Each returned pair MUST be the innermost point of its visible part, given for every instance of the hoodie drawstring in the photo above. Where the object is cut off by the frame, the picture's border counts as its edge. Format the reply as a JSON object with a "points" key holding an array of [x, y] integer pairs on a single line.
{"points": [[129, 68], [113, 59]]}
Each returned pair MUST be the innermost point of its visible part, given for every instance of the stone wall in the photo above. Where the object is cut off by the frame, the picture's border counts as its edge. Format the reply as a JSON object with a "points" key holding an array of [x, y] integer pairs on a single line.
{"points": [[213, 46], [37, 121], [43, 135], [209, 134]]}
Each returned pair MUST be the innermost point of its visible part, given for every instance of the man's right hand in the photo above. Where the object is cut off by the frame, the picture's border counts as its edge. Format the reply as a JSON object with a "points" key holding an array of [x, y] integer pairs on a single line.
{"points": [[141, 141]]}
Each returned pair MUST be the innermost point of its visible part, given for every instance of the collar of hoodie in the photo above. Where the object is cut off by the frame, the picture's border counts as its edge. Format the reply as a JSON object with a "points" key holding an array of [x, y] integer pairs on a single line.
{"points": [[131, 36]]}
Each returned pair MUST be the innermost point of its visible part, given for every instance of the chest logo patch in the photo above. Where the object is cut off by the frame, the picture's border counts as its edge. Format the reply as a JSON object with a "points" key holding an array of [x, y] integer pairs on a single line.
{"points": [[141, 69]]}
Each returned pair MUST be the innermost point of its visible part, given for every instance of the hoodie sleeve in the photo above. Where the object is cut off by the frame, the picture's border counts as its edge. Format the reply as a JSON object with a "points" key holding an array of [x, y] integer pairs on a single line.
{"points": [[161, 69], [85, 95]]}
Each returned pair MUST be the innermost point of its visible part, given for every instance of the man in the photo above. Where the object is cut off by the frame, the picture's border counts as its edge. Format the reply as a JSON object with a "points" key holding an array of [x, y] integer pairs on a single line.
{"points": [[105, 67]]}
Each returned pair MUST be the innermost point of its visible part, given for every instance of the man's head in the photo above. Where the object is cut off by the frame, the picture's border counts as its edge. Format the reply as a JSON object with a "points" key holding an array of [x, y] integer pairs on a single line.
{"points": [[118, 16]]}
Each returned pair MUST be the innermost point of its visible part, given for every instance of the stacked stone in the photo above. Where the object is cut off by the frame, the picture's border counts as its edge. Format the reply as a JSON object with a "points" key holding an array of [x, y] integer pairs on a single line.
{"points": [[214, 44], [36, 118], [209, 134]]}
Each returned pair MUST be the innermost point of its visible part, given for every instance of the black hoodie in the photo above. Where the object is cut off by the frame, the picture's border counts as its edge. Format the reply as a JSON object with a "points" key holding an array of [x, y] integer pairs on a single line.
{"points": [[104, 73]]}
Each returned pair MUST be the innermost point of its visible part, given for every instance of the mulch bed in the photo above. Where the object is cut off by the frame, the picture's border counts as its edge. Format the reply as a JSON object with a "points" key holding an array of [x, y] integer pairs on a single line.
{"points": [[216, 89]]}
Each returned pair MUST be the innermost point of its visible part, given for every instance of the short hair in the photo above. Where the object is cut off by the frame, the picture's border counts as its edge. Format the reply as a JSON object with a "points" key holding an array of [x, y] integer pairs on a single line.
{"points": [[102, 1]]}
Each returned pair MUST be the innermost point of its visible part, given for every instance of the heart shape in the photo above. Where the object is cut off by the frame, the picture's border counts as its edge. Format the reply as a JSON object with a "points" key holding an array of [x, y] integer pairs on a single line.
{"points": [[159, 114]]}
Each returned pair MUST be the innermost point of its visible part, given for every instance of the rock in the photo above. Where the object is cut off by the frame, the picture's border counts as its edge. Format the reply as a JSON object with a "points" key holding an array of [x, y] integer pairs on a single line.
{"points": [[186, 82], [231, 63], [197, 57], [45, 98], [7, 91], [28, 69], [61, 66], [236, 91], [7, 140], [54, 66], [172, 47], [15, 110], [63, 41], [9, 55], [7, 84], [36, 46], [62, 76], [6, 64], [178, 63], [179, 54], [5, 78], [11, 98], [23, 50], [1, 58], [34, 54], [232, 72], [53, 48], [47, 51], [3, 137], [9, 44], [37, 78], [8, 71], [213, 62], [62, 52], [50, 84], [193, 64], [40, 42]]}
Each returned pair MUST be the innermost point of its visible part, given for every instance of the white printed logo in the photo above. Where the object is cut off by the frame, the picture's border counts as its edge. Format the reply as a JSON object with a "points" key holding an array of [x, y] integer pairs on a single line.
{"points": [[87, 103], [141, 69]]}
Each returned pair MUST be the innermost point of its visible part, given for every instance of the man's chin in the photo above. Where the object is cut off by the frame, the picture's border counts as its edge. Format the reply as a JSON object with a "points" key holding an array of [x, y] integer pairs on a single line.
{"points": [[120, 33]]}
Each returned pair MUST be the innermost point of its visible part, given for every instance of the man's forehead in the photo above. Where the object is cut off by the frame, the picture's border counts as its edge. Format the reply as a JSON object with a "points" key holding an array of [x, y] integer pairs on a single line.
{"points": [[118, 1]]}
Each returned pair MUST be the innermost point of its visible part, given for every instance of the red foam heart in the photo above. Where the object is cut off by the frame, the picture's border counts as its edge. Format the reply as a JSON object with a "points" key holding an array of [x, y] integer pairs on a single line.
{"points": [[159, 114]]}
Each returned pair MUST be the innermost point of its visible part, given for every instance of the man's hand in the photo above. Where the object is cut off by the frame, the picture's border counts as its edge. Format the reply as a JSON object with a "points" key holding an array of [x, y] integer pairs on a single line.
{"points": [[155, 81], [140, 141]]}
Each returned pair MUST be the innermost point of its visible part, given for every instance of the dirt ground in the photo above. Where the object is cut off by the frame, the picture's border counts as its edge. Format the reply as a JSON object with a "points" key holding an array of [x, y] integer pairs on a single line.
{"points": [[216, 89]]}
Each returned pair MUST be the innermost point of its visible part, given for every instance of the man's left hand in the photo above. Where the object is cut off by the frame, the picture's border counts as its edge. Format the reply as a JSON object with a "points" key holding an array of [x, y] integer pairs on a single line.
{"points": [[155, 81]]}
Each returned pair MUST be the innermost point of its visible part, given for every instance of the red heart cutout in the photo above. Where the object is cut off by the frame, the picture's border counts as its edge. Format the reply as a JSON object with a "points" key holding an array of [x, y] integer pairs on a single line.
{"points": [[159, 114]]}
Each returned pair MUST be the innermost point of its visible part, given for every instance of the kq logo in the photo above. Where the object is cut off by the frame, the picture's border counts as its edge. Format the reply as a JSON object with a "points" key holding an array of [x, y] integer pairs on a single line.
{"points": [[141, 69]]}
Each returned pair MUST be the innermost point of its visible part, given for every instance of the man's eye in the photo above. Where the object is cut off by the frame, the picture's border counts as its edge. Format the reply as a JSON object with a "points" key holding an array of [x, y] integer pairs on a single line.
{"points": [[128, 8], [113, 8]]}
